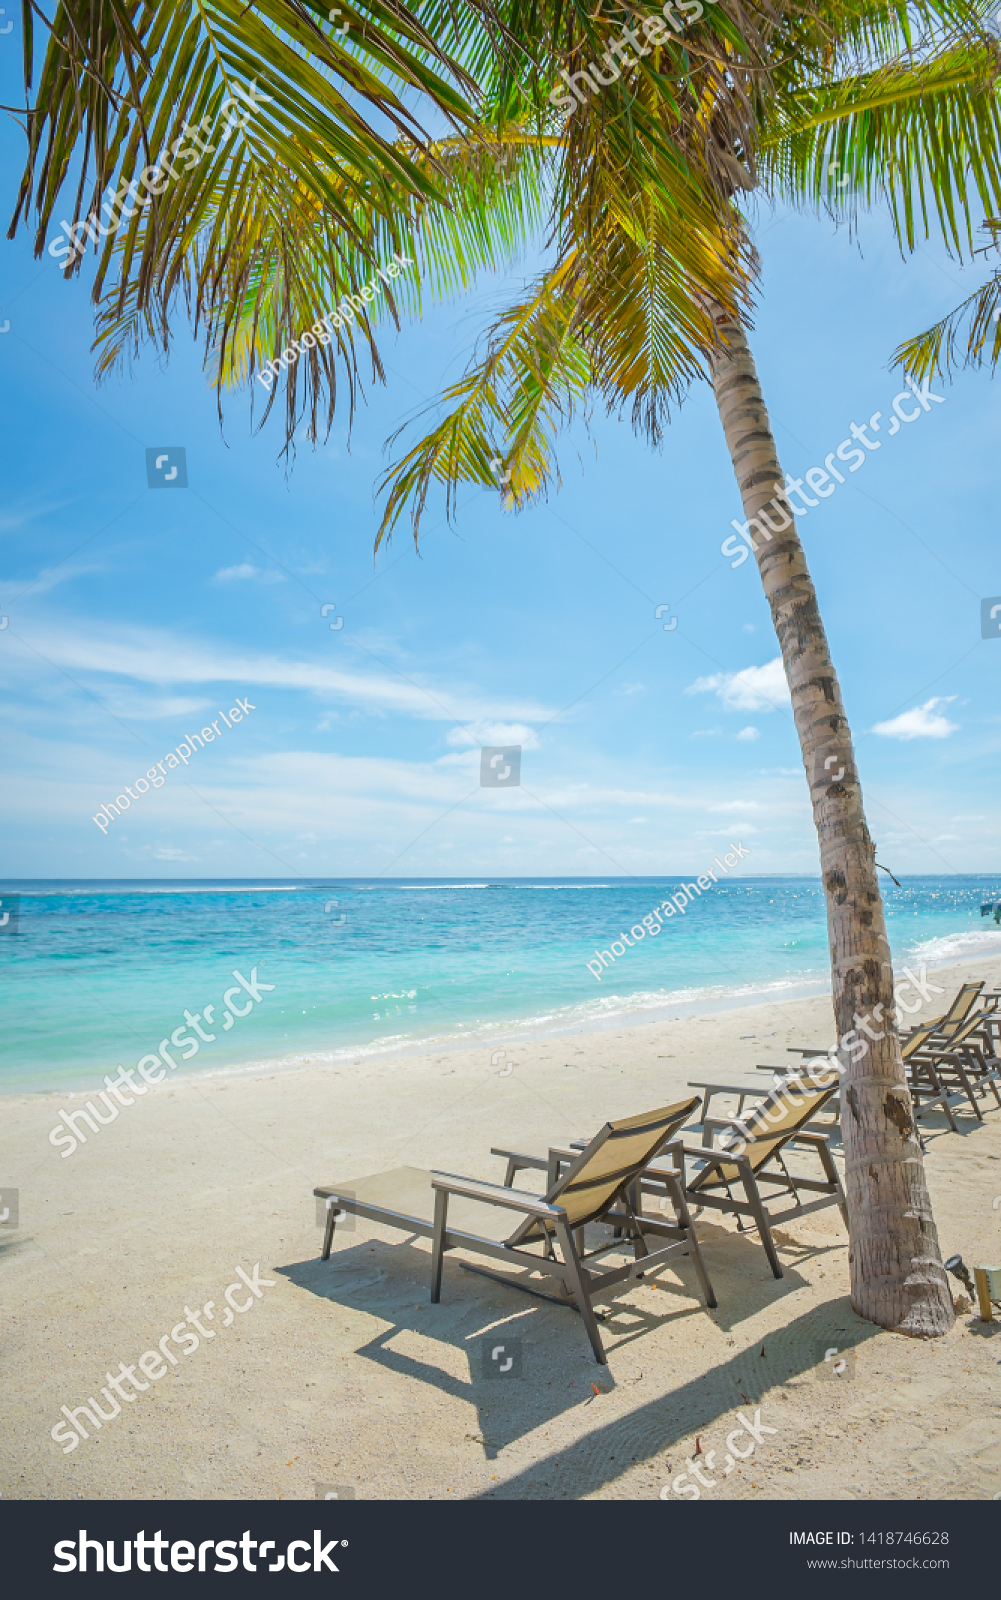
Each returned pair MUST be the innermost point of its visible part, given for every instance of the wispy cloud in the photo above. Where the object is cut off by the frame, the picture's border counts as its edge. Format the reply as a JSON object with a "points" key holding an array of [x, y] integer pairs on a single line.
{"points": [[21, 516], [476, 734], [50, 577], [749, 734], [246, 571], [922, 722], [159, 657]]}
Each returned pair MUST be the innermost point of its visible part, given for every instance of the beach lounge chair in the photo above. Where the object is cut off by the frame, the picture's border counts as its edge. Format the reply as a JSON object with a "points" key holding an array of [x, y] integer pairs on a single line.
{"points": [[958, 1013], [458, 1213], [767, 1130], [966, 1062], [941, 1028]]}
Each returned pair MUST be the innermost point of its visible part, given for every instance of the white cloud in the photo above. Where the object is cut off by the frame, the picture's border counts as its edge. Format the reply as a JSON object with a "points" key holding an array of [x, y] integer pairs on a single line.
{"points": [[50, 577], [20, 518], [245, 570], [134, 706], [922, 722], [748, 734], [752, 689], [725, 833], [159, 657], [478, 733]]}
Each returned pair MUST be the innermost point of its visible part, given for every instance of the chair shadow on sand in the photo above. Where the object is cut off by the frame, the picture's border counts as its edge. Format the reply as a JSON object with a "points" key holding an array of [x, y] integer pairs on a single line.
{"points": [[554, 1372]]}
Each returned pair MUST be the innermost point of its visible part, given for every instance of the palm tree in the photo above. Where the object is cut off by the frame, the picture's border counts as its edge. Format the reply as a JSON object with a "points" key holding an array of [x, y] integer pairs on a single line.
{"points": [[607, 320], [646, 295]]}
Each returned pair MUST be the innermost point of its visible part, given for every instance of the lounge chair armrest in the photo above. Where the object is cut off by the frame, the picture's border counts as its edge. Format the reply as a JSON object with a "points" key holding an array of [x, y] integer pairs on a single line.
{"points": [[520, 1158], [495, 1194], [810, 1138], [706, 1153]]}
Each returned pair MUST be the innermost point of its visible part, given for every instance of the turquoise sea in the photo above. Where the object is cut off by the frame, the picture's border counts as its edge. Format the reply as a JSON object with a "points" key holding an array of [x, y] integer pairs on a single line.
{"points": [[99, 973]]}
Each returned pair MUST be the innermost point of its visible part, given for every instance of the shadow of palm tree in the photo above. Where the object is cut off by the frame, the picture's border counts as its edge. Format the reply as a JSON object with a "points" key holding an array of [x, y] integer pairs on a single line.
{"points": [[707, 1405]]}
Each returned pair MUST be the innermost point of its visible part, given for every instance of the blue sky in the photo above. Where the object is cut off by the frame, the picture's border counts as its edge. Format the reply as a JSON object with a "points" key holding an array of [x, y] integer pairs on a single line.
{"points": [[135, 615]]}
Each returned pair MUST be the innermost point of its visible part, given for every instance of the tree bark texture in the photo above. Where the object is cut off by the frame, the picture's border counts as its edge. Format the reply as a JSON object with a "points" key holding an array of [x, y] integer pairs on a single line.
{"points": [[897, 1277]]}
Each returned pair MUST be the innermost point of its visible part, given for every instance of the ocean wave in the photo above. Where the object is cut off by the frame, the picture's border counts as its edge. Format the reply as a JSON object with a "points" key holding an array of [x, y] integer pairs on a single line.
{"points": [[949, 946], [103, 889], [405, 887]]}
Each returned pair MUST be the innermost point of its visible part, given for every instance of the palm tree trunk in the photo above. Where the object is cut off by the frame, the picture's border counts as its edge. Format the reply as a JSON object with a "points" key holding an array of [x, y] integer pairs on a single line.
{"points": [[897, 1277]]}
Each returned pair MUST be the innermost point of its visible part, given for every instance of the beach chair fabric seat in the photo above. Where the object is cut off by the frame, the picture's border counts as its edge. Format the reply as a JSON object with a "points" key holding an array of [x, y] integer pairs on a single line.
{"points": [[408, 1193]]}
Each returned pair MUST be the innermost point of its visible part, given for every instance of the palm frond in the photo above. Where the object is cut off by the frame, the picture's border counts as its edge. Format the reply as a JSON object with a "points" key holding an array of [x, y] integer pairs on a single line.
{"points": [[121, 77], [938, 350], [504, 411], [269, 260], [926, 136]]}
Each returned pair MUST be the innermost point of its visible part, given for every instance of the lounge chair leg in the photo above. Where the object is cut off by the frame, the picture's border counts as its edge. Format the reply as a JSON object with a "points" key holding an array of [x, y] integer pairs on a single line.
{"points": [[639, 1244], [942, 1100], [740, 1225], [438, 1244], [946, 1107], [512, 1167], [684, 1220], [831, 1173], [792, 1180], [328, 1232], [572, 1262], [964, 1080], [760, 1216]]}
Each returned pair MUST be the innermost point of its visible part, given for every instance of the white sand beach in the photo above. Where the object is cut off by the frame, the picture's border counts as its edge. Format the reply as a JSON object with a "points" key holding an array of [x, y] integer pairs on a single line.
{"points": [[343, 1374]]}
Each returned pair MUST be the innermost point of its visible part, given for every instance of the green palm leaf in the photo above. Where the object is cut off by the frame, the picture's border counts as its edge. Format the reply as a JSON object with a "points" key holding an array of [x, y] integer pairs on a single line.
{"points": [[917, 134], [119, 80], [938, 349]]}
